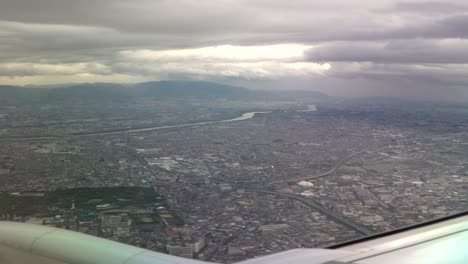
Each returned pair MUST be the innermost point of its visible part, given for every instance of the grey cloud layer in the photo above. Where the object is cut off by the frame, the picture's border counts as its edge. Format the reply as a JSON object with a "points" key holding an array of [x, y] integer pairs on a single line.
{"points": [[450, 51], [429, 7], [244, 21], [385, 40]]}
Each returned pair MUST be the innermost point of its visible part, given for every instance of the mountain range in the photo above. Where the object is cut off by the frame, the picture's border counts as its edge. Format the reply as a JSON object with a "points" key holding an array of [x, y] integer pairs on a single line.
{"points": [[164, 90]]}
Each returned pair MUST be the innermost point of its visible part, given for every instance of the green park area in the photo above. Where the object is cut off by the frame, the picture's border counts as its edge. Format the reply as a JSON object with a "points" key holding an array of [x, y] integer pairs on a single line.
{"points": [[89, 199]]}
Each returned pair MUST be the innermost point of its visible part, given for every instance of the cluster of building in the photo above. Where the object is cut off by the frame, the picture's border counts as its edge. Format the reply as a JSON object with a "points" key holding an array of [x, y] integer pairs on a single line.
{"points": [[275, 182]]}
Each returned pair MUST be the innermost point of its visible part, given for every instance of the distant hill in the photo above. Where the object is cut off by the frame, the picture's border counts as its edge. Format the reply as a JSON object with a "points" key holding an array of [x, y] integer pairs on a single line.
{"points": [[187, 89], [289, 95], [164, 90], [16, 95], [89, 93]]}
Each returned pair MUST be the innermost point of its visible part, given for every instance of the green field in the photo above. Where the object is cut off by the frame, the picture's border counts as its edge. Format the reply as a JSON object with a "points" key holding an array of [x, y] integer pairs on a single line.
{"points": [[84, 198]]}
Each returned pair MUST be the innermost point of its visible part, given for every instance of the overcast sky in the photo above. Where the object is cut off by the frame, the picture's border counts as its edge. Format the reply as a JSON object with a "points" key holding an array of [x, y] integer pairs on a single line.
{"points": [[349, 47]]}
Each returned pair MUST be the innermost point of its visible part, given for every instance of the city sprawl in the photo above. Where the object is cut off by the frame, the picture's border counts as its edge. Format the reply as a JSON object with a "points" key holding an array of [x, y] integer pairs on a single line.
{"points": [[203, 179]]}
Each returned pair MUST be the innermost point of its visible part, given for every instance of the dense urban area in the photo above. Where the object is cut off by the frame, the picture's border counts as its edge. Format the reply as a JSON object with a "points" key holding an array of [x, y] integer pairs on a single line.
{"points": [[224, 178]]}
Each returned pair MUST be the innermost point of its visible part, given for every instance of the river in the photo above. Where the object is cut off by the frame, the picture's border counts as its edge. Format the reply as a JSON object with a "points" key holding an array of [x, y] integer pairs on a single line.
{"points": [[243, 117]]}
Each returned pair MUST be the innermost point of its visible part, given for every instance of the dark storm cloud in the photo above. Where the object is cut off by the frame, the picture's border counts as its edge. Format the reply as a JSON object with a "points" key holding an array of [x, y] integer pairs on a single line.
{"points": [[454, 26], [162, 17], [183, 23], [196, 23], [429, 7], [449, 51]]}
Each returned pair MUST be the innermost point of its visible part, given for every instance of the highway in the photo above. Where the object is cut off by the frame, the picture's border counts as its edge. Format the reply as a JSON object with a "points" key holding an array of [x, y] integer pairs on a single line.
{"points": [[317, 207], [310, 203], [314, 205], [337, 165]]}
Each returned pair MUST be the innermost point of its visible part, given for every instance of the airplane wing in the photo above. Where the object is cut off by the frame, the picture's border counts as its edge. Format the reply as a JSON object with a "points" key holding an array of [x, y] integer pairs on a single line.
{"points": [[443, 240], [29, 243]]}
